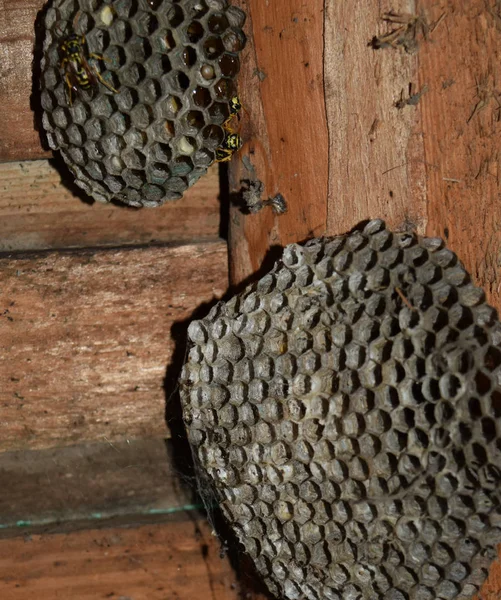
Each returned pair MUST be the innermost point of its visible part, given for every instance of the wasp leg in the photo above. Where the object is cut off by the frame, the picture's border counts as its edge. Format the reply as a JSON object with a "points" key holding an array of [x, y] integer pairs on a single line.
{"points": [[70, 87], [228, 128], [103, 80], [223, 155], [226, 124], [99, 57]]}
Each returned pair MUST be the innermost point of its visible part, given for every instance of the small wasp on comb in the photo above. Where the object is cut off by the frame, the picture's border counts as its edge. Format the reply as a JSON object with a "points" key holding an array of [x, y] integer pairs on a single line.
{"points": [[78, 73], [232, 141], [235, 108]]}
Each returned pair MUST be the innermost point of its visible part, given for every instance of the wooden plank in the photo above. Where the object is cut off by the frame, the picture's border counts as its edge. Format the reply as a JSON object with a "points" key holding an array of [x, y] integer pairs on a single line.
{"points": [[376, 166], [86, 338], [37, 211], [19, 138], [284, 129], [492, 586], [412, 137], [156, 562], [90, 482], [461, 120]]}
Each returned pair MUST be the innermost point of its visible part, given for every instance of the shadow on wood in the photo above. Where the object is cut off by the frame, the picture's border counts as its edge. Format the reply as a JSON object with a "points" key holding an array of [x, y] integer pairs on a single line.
{"points": [[185, 463]]}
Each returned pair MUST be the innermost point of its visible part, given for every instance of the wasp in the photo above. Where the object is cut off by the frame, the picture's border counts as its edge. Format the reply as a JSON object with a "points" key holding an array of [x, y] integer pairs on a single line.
{"points": [[232, 141], [78, 73], [235, 108]]}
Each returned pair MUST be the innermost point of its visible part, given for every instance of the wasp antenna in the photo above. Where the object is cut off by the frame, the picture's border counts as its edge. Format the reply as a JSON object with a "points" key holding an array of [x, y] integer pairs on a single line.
{"points": [[75, 20]]}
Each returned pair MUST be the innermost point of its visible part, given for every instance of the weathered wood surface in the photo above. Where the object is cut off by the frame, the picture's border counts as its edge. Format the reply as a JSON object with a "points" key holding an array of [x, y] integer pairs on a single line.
{"points": [[176, 560], [38, 212], [491, 590], [372, 151], [90, 482], [412, 137], [284, 129], [19, 139], [461, 124], [86, 338]]}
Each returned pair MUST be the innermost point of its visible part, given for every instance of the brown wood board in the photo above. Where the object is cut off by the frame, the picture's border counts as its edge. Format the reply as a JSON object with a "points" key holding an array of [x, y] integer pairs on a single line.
{"points": [[38, 212], [283, 127], [91, 482], [412, 134], [412, 129], [177, 560], [86, 338], [461, 123], [19, 139]]}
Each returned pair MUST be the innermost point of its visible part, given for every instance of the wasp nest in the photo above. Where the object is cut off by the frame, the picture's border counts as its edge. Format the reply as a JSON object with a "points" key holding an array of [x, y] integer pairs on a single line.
{"points": [[161, 76], [345, 410]]}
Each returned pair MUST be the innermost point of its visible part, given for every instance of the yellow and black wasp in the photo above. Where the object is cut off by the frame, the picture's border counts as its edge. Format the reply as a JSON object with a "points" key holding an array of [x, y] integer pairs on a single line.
{"points": [[232, 141], [78, 73], [235, 108]]}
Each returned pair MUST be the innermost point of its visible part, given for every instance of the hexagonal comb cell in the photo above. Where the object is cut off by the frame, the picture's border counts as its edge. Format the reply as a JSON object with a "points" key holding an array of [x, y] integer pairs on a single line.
{"points": [[157, 75], [345, 410]]}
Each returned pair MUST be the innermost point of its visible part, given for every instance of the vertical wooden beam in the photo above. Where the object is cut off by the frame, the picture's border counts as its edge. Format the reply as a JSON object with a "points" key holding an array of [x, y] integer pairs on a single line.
{"points": [[284, 130], [412, 129], [461, 123], [375, 165]]}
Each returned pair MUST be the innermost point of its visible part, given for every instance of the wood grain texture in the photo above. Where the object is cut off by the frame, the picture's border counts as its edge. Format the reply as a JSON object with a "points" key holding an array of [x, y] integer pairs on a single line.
{"points": [[461, 117], [375, 164], [88, 483], [86, 337], [18, 138], [491, 590], [38, 212], [412, 137], [284, 129], [178, 560]]}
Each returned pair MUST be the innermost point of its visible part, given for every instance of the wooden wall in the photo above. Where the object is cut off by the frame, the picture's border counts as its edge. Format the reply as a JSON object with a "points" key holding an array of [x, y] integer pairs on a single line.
{"points": [[360, 110], [409, 132], [95, 299], [94, 304]]}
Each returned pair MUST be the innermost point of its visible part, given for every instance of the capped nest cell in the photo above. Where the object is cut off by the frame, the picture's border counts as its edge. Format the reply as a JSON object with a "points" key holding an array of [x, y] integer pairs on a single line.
{"points": [[161, 76], [345, 410]]}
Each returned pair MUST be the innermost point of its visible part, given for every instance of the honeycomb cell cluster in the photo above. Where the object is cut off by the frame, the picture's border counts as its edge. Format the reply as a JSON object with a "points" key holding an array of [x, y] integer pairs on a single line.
{"points": [[162, 78], [345, 409]]}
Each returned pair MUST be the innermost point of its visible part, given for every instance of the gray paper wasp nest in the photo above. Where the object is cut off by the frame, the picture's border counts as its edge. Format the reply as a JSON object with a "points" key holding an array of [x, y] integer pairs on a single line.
{"points": [[345, 409], [145, 117]]}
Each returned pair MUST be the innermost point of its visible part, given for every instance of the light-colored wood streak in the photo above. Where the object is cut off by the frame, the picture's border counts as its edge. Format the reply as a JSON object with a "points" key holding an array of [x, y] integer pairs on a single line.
{"points": [[375, 165]]}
